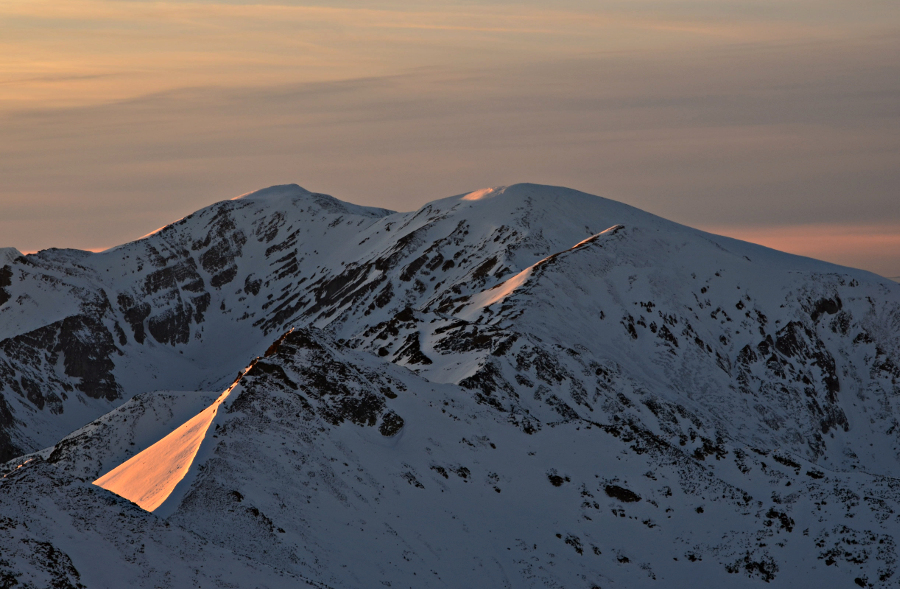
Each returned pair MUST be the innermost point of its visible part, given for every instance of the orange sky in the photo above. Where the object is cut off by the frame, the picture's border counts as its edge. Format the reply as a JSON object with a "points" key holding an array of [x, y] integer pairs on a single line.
{"points": [[849, 245], [88, 51], [770, 121]]}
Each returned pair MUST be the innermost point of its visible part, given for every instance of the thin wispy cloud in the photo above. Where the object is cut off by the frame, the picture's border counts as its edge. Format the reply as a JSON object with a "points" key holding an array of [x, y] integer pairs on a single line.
{"points": [[164, 45]]}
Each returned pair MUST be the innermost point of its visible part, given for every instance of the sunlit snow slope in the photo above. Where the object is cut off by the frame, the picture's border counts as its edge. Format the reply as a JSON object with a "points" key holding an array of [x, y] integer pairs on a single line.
{"points": [[150, 477]]}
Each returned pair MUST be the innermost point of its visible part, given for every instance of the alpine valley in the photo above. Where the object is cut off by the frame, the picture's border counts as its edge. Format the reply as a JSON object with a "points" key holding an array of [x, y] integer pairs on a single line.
{"points": [[524, 386]]}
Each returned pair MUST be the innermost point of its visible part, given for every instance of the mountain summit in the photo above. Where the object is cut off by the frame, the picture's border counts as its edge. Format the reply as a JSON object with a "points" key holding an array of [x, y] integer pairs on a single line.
{"points": [[523, 386]]}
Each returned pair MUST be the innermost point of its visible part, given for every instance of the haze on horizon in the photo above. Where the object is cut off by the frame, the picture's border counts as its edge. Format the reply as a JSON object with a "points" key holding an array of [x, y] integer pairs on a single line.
{"points": [[776, 122]]}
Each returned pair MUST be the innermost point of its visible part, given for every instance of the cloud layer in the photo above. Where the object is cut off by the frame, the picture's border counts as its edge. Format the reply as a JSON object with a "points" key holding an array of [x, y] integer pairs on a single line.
{"points": [[117, 117]]}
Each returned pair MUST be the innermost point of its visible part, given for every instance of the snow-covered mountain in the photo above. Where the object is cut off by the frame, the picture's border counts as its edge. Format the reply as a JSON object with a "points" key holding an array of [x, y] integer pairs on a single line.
{"points": [[521, 386]]}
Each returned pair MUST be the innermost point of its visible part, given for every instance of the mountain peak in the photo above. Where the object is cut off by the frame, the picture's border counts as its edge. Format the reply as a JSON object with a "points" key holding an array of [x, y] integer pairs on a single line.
{"points": [[8, 255], [522, 190], [277, 191], [563, 204]]}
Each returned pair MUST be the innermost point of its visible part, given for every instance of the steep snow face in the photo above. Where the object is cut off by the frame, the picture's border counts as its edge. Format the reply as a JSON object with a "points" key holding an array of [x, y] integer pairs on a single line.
{"points": [[477, 304]]}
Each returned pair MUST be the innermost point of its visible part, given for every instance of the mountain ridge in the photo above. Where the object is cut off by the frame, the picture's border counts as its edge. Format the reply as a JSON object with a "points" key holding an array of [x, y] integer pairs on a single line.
{"points": [[521, 349]]}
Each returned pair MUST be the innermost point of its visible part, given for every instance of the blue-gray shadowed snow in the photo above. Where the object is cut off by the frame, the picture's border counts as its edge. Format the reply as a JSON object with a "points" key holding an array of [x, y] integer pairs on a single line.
{"points": [[524, 386]]}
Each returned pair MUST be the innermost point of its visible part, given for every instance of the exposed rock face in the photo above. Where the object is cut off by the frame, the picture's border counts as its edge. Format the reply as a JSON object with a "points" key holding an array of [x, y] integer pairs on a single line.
{"points": [[5, 280], [45, 366], [510, 349], [8, 448], [339, 392]]}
